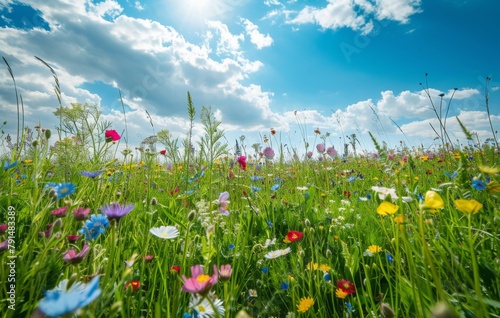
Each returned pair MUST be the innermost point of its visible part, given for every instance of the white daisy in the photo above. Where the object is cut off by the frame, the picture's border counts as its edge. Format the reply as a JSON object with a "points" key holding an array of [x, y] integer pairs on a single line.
{"points": [[165, 232], [277, 253], [203, 307]]}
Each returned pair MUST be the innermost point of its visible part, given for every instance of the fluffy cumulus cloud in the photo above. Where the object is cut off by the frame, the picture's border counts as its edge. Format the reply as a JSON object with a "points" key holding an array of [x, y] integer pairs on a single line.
{"points": [[152, 65], [355, 14]]}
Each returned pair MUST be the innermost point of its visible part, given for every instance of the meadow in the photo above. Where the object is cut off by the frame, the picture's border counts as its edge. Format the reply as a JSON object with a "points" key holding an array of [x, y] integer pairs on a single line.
{"points": [[93, 227]]}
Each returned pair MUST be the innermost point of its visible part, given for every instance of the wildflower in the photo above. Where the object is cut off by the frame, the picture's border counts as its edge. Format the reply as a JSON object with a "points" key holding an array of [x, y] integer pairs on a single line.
{"points": [[327, 277], [346, 286], [478, 184], [94, 226], [390, 259], [265, 270], [320, 147], [275, 187], [163, 152], [317, 131], [488, 170], [165, 232], [452, 175], [374, 249], [60, 212], [202, 307], [135, 284], [64, 189], [3, 228], [4, 245], [175, 269], [284, 286], [116, 211], [305, 304], [72, 257], [312, 266], [383, 192], [199, 283], [433, 201], [148, 258], [331, 152], [273, 131], [111, 135], [225, 272], [91, 174], [73, 238], [386, 311], [223, 203], [242, 161], [309, 154], [62, 300], [324, 268], [470, 206], [340, 293], [277, 253], [268, 153], [81, 213], [293, 236], [252, 293], [7, 165], [387, 208]]}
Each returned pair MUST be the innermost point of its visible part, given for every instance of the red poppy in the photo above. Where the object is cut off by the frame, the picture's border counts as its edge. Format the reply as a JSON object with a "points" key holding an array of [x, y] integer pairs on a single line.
{"points": [[293, 236], [273, 131], [163, 152], [346, 286], [347, 194], [175, 269], [135, 284]]}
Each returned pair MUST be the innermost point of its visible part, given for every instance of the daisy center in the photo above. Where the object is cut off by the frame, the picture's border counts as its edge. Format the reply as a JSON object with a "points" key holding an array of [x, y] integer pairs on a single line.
{"points": [[202, 278]]}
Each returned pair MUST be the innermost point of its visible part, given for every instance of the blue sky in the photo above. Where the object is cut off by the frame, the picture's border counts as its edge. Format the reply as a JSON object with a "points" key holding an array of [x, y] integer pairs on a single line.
{"points": [[344, 66]]}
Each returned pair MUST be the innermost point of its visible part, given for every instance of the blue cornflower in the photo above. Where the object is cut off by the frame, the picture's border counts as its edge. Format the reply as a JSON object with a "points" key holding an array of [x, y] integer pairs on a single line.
{"points": [[7, 165], [265, 270], [115, 210], [231, 246], [285, 286], [91, 174], [94, 226], [368, 196], [269, 223], [275, 187], [452, 175], [351, 179], [256, 178], [61, 300], [478, 184], [349, 306], [327, 277], [390, 259], [255, 189], [64, 189]]}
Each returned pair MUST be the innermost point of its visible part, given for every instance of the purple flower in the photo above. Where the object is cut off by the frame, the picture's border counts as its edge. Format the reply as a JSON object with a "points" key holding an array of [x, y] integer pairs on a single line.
{"points": [[91, 174], [116, 211], [81, 213], [320, 148], [331, 152], [268, 153], [4, 246], [223, 203], [309, 154]]}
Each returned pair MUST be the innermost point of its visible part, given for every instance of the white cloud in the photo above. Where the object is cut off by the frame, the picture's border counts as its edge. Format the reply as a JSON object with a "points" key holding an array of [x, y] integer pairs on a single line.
{"points": [[356, 14], [257, 38], [228, 43]]}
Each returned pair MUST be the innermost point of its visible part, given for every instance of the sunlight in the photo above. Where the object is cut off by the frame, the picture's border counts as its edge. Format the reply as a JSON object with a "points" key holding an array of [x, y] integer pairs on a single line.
{"points": [[200, 10]]}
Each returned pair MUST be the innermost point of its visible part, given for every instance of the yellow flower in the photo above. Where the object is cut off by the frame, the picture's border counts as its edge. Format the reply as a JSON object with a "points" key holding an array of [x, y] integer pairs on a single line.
{"points": [[488, 170], [305, 304], [433, 201], [493, 187], [387, 208], [28, 161], [399, 219], [324, 268], [424, 158], [340, 293], [468, 206], [456, 155], [374, 249], [312, 266]]}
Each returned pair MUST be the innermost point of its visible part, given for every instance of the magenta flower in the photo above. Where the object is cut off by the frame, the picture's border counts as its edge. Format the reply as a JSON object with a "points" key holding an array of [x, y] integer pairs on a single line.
{"points": [[81, 213], [199, 283], [3, 228], [242, 160], [309, 154], [116, 211], [60, 212], [71, 257], [268, 153], [111, 135], [4, 246], [320, 148]]}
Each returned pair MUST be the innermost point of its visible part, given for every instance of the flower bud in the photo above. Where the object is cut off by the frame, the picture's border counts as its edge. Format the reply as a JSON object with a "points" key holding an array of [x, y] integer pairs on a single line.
{"points": [[48, 133], [442, 310], [386, 310]]}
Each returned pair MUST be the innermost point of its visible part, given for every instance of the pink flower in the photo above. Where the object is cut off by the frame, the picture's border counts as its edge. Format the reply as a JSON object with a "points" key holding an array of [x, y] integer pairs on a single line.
{"points": [[111, 135], [320, 148], [268, 153], [199, 283], [225, 272], [72, 257], [60, 212], [3, 228], [81, 213], [309, 154]]}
